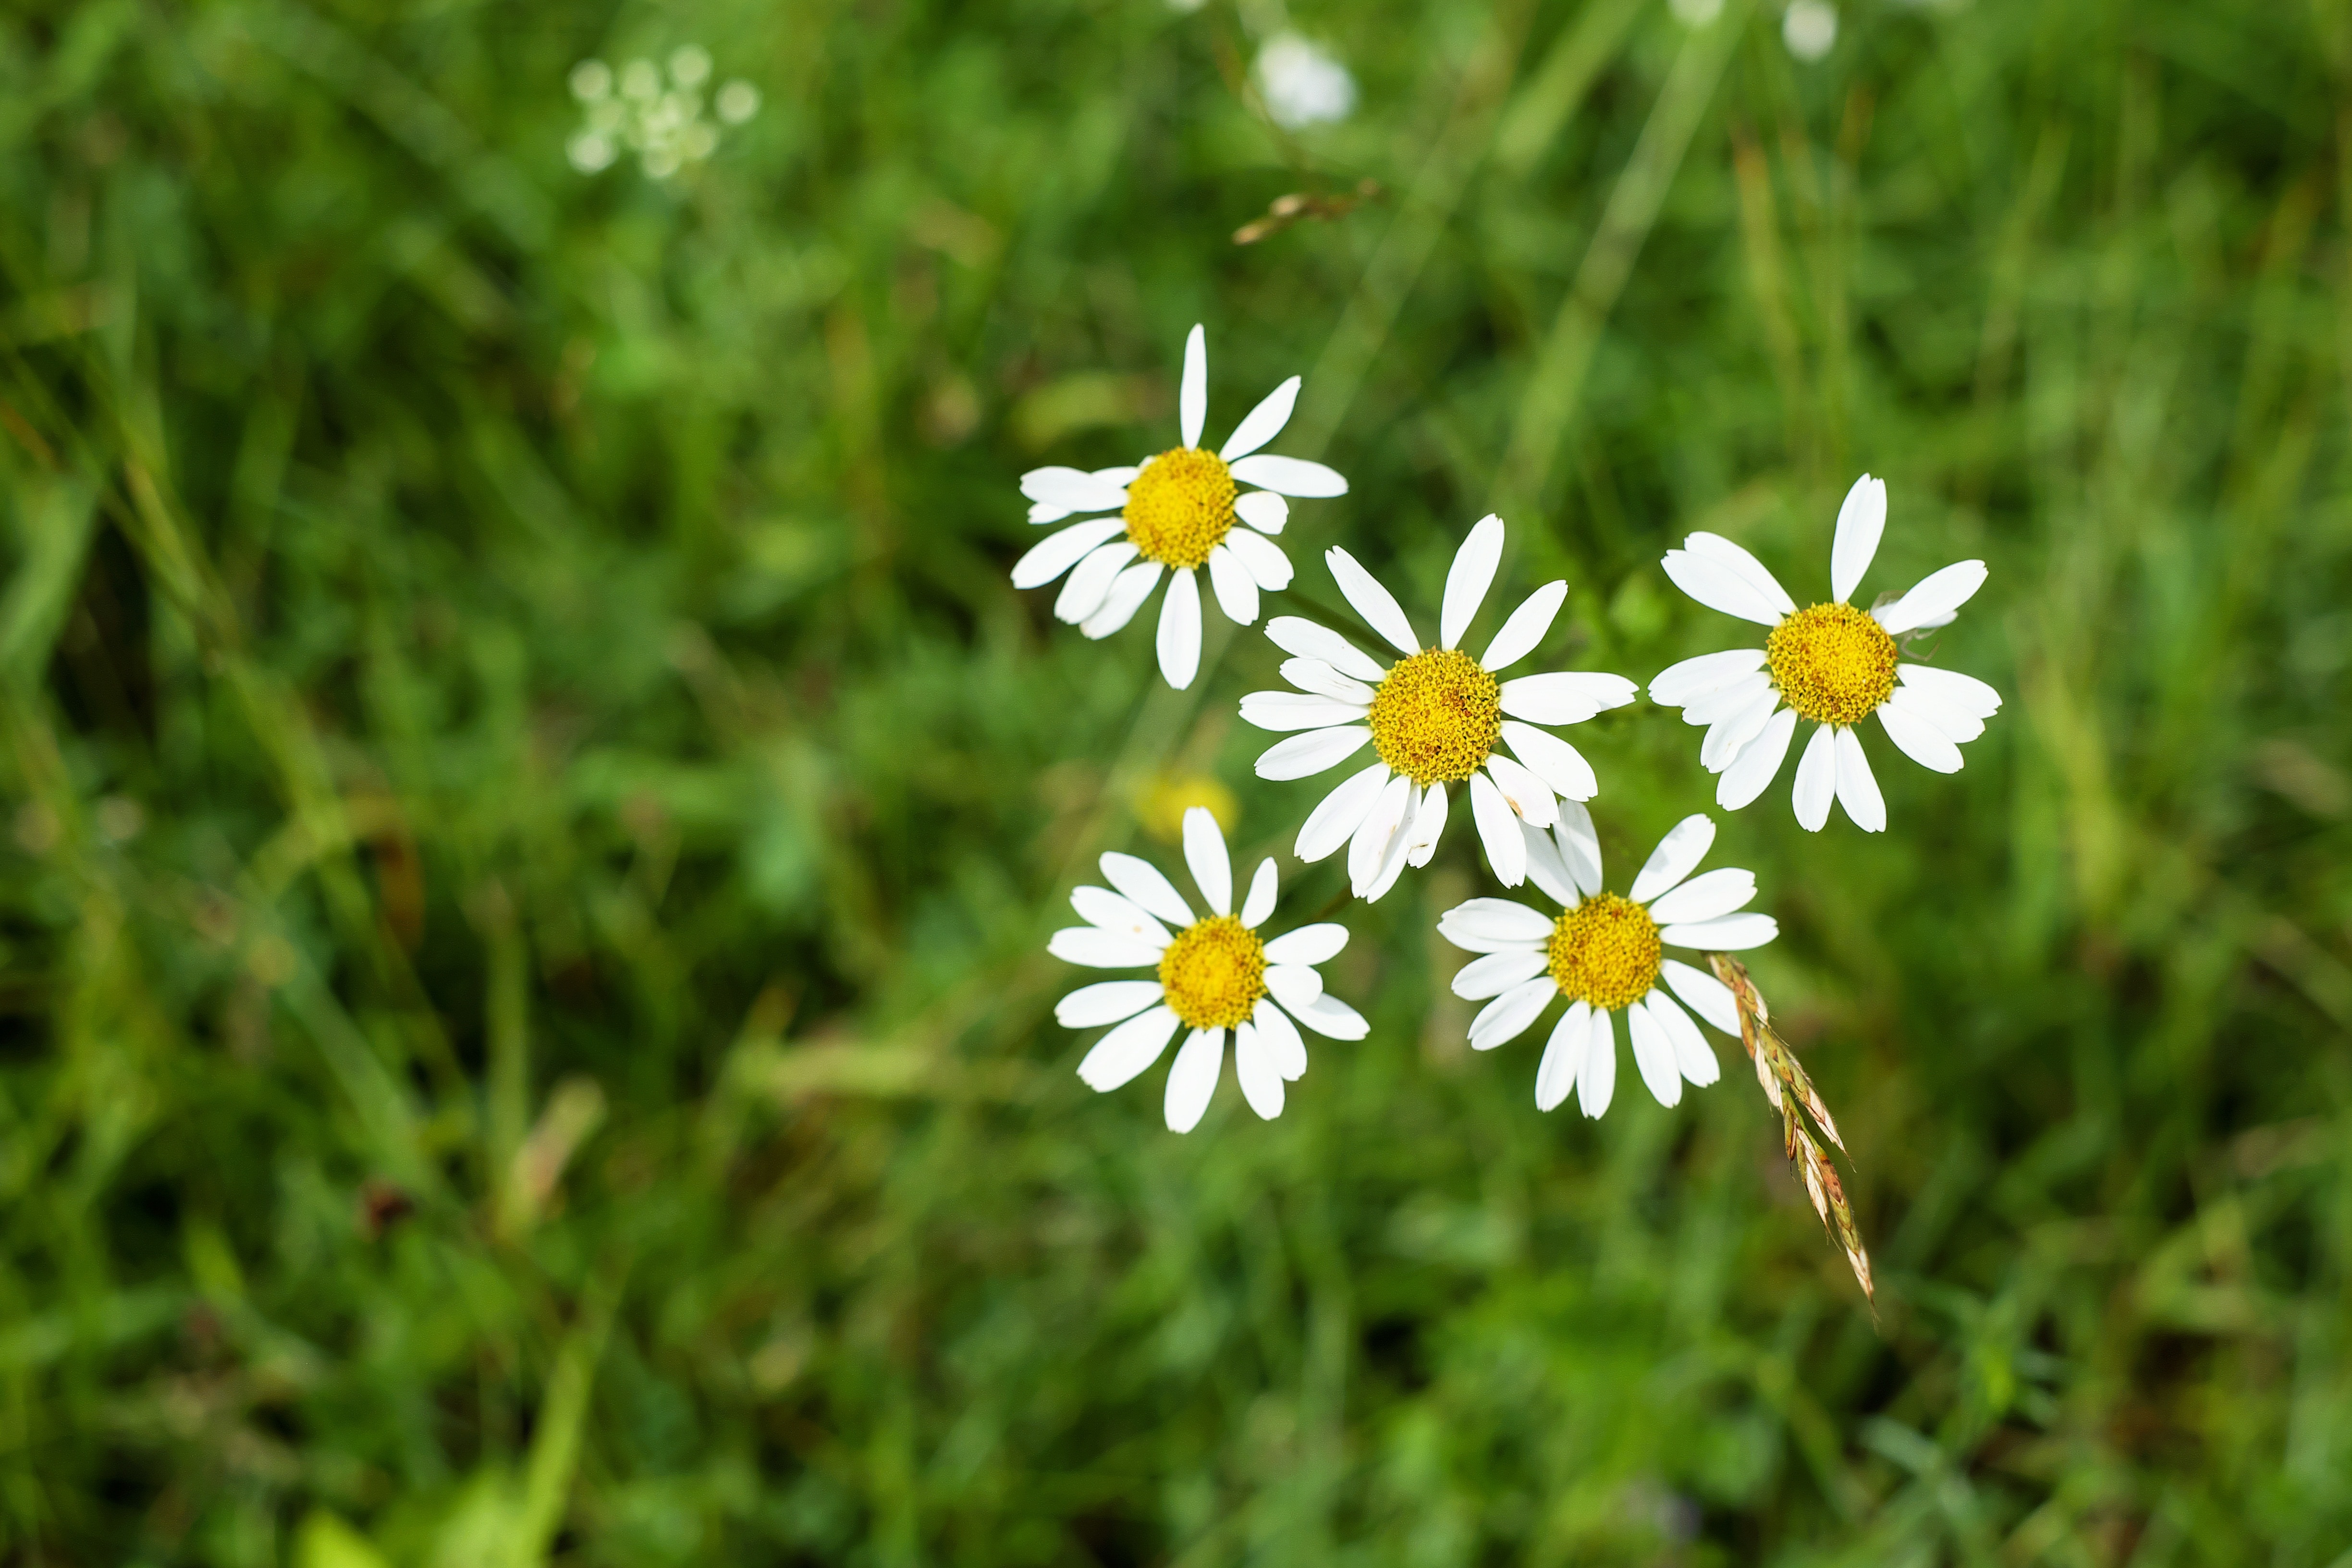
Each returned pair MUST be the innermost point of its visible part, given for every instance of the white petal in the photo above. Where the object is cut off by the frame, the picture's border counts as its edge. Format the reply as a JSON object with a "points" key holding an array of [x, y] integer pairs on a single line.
{"points": [[1127, 594], [1302, 756], [1293, 984], [1935, 599], [1861, 520], [1596, 1086], [1057, 552], [1730, 735], [1965, 692], [1254, 1069], [1374, 603], [1918, 740], [1579, 846], [1074, 489], [1654, 1056], [1428, 824], [1568, 697], [1703, 994], [1333, 1019], [1127, 1050], [1262, 510], [1725, 700], [1758, 764], [1546, 869], [1498, 972], [1857, 791], [1816, 778], [1106, 1001], [1718, 587], [1179, 628], [1084, 594], [1526, 627], [1397, 854], [1312, 675], [1262, 559], [1467, 579], [1725, 933], [1498, 829], [1260, 423], [1715, 547], [1106, 910], [1705, 896], [1678, 684], [1289, 476], [1206, 859], [1237, 590], [1507, 1018], [1099, 949], [1262, 891], [1335, 821], [1922, 703], [1145, 887], [1041, 513], [1563, 1057], [1308, 640], [1284, 711], [1528, 797], [1369, 846], [1193, 393], [1121, 476], [1491, 925], [1693, 1059], [1552, 759], [1676, 857], [1280, 1037], [1193, 1078]]}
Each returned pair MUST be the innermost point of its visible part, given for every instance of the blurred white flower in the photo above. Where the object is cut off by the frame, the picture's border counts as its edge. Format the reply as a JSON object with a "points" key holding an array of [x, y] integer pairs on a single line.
{"points": [[1185, 7], [1697, 13], [664, 125], [1809, 28], [1304, 84]]}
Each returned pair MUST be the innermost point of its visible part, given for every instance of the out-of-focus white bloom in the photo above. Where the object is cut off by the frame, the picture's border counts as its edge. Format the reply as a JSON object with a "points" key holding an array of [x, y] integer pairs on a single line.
{"points": [[1303, 83], [1185, 7], [1697, 13], [664, 125], [1809, 28]]}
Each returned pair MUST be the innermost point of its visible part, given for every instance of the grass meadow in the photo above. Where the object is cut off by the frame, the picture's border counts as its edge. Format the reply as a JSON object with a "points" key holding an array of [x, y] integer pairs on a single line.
{"points": [[531, 811]]}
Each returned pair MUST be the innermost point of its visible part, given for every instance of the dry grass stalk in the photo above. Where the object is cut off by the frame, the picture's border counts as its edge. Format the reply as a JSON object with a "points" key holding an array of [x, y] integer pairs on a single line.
{"points": [[1787, 1085], [1298, 206]]}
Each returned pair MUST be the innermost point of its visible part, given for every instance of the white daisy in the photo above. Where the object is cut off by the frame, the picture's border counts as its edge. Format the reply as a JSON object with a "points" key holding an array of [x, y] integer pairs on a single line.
{"points": [[1435, 716], [1175, 511], [1215, 973], [1831, 664], [1603, 953]]}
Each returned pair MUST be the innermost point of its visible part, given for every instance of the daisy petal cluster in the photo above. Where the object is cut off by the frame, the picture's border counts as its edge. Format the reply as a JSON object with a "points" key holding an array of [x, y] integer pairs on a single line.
{"points": [[1828, 665], [1436, 718], [1604, 953], [1176, 512], [1214, 975]]}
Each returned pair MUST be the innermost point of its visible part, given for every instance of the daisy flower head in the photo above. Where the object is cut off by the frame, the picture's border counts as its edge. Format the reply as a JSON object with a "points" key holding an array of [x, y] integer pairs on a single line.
{"points": [[1605, 953], [1436, 718], [1829, 665], [1174, 512], [1214, 975]]}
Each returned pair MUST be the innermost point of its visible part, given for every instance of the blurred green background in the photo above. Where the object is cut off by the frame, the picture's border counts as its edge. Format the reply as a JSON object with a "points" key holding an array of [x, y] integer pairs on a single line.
{"points": [[531, 811]]}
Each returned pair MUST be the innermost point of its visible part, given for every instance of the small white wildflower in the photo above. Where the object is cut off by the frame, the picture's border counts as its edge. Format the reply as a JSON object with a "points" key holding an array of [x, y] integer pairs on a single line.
{"points": [[738, 101], [1810, 28], [689, 65], [1304, 84], [592, 80], [639, 79], [590, 151], [1697, 13]]}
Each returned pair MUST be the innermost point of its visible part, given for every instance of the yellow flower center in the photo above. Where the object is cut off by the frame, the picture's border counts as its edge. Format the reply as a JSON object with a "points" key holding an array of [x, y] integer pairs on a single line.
{"points": [[1213, 973], [1604, 952], [1435, 716], [1833, 663], [1179, 506]]}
